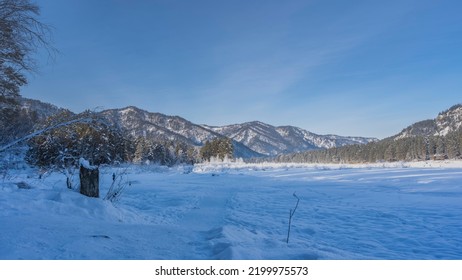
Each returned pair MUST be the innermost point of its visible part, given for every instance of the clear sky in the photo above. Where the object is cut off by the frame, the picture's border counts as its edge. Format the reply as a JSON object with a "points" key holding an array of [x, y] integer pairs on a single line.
{"points": [[353, 68]]}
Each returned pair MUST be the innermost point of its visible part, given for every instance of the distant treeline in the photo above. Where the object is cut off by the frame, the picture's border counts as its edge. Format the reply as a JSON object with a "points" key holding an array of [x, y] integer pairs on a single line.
{"points": [[414, 148]]}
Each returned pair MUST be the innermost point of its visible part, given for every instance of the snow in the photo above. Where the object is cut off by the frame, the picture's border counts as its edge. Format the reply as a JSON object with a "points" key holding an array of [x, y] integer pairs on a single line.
{"points": [[239, 211], [86, 164]]}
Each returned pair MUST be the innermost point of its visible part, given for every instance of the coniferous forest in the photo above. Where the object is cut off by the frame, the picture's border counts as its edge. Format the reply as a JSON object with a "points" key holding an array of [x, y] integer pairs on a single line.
{"points": [[415, 148]]}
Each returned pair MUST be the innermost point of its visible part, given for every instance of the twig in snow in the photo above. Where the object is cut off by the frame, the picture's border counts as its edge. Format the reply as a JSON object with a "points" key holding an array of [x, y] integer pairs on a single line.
{"points": [[291, 214], [119, 183]]}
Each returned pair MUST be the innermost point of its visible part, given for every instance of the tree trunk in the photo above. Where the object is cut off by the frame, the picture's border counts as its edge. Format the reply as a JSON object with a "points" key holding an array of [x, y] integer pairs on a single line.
{"points": [[89, 181]]}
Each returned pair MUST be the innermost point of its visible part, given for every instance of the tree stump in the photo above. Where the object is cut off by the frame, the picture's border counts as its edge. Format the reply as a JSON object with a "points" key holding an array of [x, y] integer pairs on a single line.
{"points": [[89, 181]]}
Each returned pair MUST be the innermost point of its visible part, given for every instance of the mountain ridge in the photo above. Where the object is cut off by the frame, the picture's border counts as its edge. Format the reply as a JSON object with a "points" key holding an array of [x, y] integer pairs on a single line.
{"points": [[273, 140], [142, 123], [260, 138], [250, 139], [447, 121]]}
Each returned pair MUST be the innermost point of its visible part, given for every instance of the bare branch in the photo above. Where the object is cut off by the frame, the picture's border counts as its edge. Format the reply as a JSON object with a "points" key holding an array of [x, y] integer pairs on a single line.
{"points": [[21, 35]]}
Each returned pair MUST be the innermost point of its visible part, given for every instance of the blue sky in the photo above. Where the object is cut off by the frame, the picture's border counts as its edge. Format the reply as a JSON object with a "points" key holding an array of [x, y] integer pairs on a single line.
{"points": [[358, 68]]}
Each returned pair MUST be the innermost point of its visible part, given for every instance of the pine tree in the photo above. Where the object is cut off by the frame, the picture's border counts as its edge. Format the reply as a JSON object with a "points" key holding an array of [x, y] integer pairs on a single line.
{"points": [[217, 148]]}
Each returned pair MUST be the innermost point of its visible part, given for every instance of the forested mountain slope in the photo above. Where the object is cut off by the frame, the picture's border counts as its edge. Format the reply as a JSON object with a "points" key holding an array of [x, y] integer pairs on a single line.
{"points": [[437, 139]]}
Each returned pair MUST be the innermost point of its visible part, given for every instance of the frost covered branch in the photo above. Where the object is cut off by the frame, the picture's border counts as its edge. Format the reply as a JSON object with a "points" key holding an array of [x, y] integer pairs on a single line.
{"points": [[41, 131]]}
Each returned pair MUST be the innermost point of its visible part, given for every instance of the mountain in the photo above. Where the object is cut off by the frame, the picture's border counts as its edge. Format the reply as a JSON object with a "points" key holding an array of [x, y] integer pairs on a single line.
{"points": [[141, 123], [138, 122], [41, 110], [251, 139], [446, 122], [270, 140], [35, 109], [19, 115]]}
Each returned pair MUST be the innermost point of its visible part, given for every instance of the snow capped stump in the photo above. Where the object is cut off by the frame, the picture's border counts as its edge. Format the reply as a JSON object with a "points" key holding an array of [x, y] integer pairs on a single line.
{"points": [[89, 179]]}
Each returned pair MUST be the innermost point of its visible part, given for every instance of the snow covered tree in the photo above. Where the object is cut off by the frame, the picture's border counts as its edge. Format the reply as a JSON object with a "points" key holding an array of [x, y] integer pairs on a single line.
{"points": [[440, 152], [15, 121], [149, 151], [217, 148], [184, 153], [64, 146], [452, 145], [140, 149]]}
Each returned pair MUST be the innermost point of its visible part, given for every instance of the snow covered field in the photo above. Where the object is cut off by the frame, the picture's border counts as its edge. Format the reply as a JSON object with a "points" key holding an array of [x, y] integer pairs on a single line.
{"points": [[238, 211]]}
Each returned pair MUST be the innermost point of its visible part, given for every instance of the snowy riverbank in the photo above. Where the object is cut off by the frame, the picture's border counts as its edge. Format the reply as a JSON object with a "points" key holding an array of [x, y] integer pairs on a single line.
{"points": [[240, 211]]}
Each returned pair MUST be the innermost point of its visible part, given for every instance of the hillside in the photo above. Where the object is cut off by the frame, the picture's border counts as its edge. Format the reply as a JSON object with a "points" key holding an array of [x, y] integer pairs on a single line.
{"points": [[159, 127], [251, 139], [18, 116], [437, 139], [446, 122]]}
